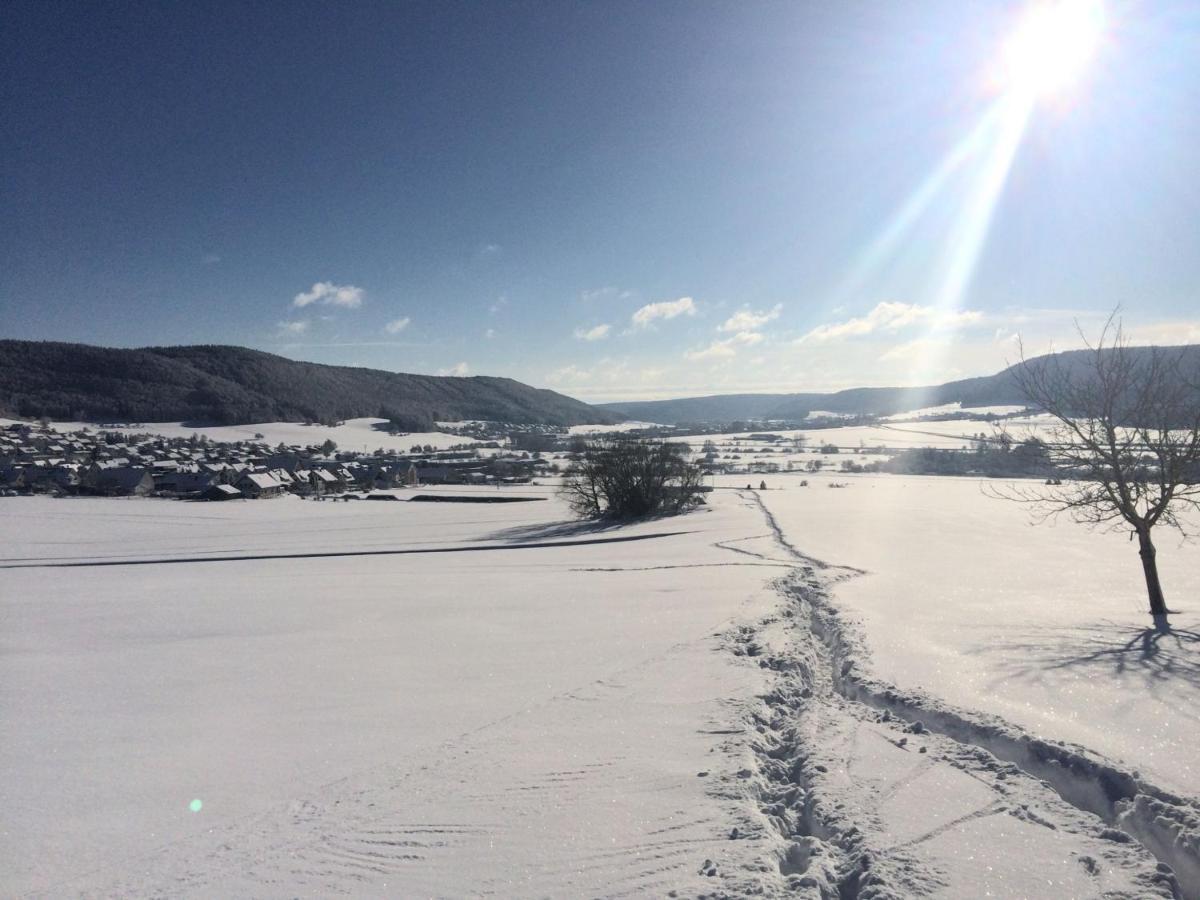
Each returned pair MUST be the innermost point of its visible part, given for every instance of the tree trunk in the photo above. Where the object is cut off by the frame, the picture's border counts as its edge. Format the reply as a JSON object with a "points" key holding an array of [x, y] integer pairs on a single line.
{"points": [[1158, 605]]}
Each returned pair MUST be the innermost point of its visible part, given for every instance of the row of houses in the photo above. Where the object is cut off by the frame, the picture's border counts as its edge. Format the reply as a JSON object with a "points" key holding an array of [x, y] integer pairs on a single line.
{"points": [[37, 459]]}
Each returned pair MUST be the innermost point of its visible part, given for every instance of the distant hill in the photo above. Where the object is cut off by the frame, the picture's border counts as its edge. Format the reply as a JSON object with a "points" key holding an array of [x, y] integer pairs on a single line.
{"points": [[990, 390], [219, 385]]}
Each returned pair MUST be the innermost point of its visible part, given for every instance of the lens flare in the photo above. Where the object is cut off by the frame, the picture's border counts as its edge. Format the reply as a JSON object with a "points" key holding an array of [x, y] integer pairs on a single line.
{"points": [[1052, 46], [1047, 53]]}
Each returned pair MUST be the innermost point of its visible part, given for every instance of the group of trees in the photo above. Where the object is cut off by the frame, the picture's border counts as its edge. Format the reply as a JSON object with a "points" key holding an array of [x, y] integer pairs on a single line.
{"points": [[407, 422], [628, 479], [1000, 458]]}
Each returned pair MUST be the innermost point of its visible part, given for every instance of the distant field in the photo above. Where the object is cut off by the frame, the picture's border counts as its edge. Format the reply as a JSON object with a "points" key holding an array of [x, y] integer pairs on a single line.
{"points": [[952, 434], [363, 435]]}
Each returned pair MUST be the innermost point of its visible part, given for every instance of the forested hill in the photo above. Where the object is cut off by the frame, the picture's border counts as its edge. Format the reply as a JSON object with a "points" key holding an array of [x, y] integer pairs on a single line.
{"points": [[990, 390], [236, 385]]}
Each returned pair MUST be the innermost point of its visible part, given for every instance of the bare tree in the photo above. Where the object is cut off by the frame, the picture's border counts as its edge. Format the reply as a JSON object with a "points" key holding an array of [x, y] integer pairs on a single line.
{"points": [[1125, 439], [625, 479]]}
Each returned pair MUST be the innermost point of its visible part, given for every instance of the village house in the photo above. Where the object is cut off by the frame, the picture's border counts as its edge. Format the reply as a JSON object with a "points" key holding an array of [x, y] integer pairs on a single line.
{"points": [[259, 485], [322, 481], [185, 483], [36, 458], [221, 492], [120, 482]]}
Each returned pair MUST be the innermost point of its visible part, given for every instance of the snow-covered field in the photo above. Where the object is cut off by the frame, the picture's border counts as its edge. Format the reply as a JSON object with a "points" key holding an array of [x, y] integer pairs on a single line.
{"points": [[525, 720], [956, 433], [956, 407], [289, 698], [609, 429], [363, 435], [1046, 626]]}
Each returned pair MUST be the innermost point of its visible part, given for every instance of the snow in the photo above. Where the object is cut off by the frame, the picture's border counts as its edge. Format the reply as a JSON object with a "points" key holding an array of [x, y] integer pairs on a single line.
{"points": [[609, 429], [1045, 626], [826, 414], [933, 817], [522, 721], [353, 434], [955, 407], [854, 692], [926, 411], [955, 433], [362, 435]]}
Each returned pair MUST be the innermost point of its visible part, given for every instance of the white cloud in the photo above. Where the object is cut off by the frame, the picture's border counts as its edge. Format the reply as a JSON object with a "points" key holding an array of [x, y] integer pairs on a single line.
{"points": [[604, 293], [490, 333], [727, 348], [749, 320], [297, 327], [1165, 334], [892, 317], [916, 350], [958, 318], [329, 294], [568, 375], [607, 371], [715, 350], [459, 370], [598, 333], [667, 309], [397, 325]]}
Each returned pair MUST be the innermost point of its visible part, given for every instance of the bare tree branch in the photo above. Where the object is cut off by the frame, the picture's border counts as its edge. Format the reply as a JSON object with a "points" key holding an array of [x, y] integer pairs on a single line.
{"points": [[1125, 435]]}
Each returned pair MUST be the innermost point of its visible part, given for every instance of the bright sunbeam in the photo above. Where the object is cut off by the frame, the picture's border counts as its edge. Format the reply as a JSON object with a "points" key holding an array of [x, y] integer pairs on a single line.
{"points": [[1046, 54], [906, 217], [979, 203], [965, 244], [1052, 46]]}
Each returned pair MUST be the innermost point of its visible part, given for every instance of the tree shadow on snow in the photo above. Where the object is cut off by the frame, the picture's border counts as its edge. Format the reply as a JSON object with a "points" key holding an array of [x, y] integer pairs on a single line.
{"points": [[568, 528], [1157, 656], [542, 531]]}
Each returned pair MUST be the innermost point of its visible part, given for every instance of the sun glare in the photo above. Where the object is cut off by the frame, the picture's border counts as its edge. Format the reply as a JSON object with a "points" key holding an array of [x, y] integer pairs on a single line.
{"points": [[1047, 53], [1052, 46]]}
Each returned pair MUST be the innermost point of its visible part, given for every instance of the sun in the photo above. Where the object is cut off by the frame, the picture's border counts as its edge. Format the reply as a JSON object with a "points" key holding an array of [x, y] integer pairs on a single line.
{"points": [[1052, 46]]}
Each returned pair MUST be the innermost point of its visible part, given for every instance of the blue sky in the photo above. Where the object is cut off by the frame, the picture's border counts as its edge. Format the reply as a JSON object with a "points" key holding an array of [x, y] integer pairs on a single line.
{"points": [[617, 200]]}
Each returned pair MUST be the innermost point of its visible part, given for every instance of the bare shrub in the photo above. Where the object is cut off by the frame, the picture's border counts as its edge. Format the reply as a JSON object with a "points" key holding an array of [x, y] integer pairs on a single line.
{"points": [[625, 479]]}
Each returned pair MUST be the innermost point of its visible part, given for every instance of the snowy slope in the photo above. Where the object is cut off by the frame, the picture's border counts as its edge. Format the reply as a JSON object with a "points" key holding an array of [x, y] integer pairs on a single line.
{"points": [[418, 699]]}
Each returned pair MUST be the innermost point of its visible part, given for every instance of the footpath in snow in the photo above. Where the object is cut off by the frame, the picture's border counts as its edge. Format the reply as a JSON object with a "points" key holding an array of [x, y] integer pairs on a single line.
{"points": [[1118, 821]]}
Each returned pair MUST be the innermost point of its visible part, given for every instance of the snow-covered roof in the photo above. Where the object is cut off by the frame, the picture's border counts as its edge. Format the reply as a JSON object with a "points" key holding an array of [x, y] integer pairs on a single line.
{"points": [[262, 480]]}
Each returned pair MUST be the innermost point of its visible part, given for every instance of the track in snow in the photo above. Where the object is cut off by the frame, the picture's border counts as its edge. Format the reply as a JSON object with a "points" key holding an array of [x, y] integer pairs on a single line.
{"points": [[169, 560], [871, 798]]}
